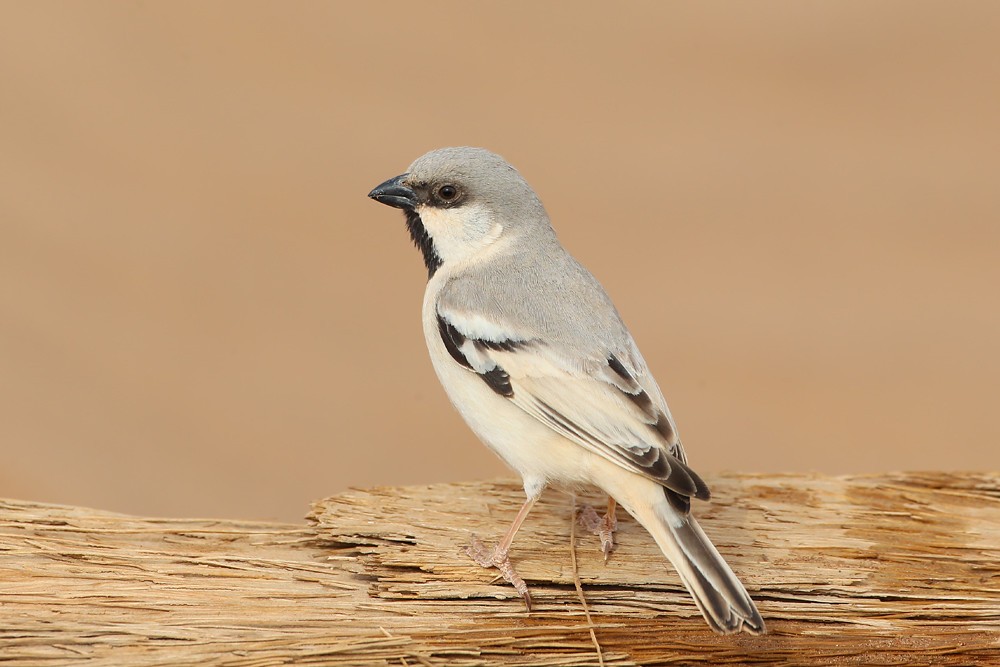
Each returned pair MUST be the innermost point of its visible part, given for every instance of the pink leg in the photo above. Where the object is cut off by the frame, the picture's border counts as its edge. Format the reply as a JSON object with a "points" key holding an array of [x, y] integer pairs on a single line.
{"points": [[498, 556]]}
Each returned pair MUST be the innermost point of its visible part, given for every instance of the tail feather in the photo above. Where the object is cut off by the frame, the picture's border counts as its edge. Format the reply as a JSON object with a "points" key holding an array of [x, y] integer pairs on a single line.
{"points": [[713, 607], [720, 596]]}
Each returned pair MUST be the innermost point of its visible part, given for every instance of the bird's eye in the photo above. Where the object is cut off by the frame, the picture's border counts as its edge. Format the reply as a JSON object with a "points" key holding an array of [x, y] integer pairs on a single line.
{"points": [[447, 192]]}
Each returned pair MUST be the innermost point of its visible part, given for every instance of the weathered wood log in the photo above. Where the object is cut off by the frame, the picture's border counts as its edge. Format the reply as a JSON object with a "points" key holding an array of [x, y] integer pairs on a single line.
{"points": [[888, 569]]}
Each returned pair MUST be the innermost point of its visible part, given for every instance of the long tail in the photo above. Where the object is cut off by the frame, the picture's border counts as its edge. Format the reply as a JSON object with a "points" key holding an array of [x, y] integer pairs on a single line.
{"points": [[720, 596]]}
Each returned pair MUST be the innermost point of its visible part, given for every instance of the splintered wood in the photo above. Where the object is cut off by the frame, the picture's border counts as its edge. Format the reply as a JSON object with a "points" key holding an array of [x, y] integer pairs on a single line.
{"points": [[890, 569]]}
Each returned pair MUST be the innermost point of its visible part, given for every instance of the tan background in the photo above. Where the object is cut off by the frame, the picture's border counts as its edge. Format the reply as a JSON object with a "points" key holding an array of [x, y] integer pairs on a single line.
{"points": [[794, 205]]}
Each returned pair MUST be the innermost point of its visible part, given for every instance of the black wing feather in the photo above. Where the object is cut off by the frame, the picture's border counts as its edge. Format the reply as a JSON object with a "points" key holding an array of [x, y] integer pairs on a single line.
{"points": [[495, 378]]}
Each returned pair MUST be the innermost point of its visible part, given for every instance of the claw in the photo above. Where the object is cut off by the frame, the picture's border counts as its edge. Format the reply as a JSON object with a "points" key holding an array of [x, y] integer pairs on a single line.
{"points": [[609, 524], [499, 558], [602, 526]]}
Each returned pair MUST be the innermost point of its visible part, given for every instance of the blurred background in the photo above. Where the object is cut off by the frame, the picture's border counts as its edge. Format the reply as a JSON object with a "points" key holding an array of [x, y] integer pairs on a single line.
{"points": [[795, 206]]}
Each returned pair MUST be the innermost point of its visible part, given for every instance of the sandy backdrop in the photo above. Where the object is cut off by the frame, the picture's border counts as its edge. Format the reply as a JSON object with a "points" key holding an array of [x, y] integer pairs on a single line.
{"points": [[796, 207]]}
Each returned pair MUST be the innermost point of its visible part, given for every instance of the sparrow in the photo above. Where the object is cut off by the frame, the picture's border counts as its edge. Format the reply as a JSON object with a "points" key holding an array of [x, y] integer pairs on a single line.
{"points": [[533, 354]]}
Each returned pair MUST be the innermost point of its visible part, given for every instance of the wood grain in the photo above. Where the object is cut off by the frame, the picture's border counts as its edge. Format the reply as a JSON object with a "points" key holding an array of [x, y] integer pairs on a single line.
{"points": [[889, 569]]}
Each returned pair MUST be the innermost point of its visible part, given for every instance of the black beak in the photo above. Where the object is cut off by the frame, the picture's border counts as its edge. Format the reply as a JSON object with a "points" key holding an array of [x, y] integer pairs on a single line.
{"points": [[394, 193]]}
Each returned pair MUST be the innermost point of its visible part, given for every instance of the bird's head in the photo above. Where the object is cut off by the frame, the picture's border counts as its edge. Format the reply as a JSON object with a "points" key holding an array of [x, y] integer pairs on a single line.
{"points": [[461, 201]]}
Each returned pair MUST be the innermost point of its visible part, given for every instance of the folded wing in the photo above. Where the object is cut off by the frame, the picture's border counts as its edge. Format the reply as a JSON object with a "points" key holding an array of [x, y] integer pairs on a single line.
{"points": [[601, 402]]}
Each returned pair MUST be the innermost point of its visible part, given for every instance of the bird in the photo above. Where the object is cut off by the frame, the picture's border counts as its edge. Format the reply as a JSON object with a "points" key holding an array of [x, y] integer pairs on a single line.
{"points": [[535, 357]]}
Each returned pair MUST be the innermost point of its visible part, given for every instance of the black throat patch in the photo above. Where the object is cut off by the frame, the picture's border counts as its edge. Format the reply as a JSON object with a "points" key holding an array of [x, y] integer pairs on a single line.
{"points": [[423, 241]]}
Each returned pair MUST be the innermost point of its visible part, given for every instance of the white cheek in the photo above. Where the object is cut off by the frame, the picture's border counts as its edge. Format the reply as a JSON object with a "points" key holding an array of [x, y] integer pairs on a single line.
{"points": [[459, 232], [441, 223]]}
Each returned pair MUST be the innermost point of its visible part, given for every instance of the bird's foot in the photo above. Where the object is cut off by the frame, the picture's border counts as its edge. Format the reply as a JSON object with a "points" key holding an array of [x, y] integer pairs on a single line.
{"points": [[602, 526], [499, 558]]}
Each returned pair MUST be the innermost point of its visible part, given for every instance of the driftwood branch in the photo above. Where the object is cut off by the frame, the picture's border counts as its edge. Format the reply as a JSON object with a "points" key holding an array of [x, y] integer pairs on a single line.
{"points": [[891, 569]]}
